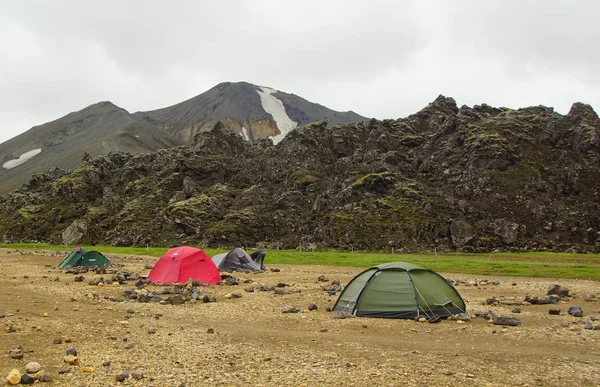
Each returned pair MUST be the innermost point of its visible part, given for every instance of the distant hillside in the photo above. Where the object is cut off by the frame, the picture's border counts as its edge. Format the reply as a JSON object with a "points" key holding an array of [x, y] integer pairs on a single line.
{"points": [[252, 111], [96, 130], [447, 178]]}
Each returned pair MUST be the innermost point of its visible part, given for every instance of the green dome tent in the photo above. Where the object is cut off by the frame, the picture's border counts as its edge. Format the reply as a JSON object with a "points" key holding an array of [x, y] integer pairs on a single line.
{"points": [[83, 257], [399, 290]]}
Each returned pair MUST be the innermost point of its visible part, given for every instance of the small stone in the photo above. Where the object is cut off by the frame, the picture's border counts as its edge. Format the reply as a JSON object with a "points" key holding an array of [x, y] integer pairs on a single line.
{"points": [[122, 377], [151, 331], [45, 314], [72, 351], [88, 369], [554, 311], [71, 360], [236, 295], [575, 311], [342, 315], [249, 289], [129, 346], [290, 309], [106, 363], [176, 299], [422, 319], [33, 367], [228, 296], [506, 321], [27, 379], [137, 375], [68, 339], [45, 378], [16, 353], [323, 330], [130, 311], [312, 307], [558, 290], [516, 310], [14, 377], [64, 370], [210, 331]]}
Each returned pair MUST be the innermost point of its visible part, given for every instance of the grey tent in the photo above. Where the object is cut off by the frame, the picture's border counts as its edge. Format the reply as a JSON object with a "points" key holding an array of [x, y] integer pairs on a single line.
{"points": [[235, 260], [399, 290]]}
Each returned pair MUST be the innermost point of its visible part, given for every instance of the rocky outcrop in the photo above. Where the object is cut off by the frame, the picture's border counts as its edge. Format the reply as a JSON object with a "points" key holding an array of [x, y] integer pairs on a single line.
{"points": [[73, 234], [470, 179]]}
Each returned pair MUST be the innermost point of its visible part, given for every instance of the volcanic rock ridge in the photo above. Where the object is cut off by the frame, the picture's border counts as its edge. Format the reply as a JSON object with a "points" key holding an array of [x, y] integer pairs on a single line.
{"points": [[254, 112], [446, 178]]}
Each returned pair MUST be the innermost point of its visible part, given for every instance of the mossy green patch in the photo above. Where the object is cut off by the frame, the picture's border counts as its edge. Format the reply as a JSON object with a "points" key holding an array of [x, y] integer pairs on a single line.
{"points": [[372, 179], [302, 178]]}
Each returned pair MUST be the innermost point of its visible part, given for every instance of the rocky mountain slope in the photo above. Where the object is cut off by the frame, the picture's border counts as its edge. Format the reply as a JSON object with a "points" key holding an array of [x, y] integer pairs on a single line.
{"points": [[252, 111], [96, 130], [471, 179]]}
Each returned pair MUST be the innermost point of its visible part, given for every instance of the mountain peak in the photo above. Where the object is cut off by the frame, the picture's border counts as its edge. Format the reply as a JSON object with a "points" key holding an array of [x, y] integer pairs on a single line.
{"points": [[102, 107], [250, 110], [583, 110]]}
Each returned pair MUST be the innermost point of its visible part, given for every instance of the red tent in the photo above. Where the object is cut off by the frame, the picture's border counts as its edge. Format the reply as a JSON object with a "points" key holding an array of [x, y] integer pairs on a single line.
{"points": [[180, 264]]}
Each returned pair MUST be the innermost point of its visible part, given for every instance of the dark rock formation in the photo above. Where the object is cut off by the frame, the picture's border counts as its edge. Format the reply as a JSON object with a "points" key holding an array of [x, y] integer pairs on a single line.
{"points": [[471, 179]]}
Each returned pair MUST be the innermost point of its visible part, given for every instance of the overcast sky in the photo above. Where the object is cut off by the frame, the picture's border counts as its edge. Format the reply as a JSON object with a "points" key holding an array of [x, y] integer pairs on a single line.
{"points": [[383, 59]]}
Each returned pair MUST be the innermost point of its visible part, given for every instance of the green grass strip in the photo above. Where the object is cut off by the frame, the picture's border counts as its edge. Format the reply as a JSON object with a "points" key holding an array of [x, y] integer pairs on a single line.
{"points": [[530, 264]]}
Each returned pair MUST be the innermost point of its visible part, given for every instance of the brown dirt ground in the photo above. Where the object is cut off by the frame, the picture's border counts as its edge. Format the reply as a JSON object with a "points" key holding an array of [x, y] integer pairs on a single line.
{"points": [[255, 344]]}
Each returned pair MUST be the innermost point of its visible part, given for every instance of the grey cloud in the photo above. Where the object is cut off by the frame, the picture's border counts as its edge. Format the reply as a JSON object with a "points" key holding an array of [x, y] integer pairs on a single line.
{"points": [[378, 58]]}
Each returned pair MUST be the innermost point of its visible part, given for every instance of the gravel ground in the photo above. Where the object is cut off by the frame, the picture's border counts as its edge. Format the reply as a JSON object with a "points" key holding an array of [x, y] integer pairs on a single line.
{"points": [[248, 341]]}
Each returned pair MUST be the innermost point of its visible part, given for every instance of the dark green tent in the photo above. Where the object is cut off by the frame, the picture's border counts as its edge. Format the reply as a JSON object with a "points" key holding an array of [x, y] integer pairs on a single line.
{"points": [[83, 257], [399, 290]]}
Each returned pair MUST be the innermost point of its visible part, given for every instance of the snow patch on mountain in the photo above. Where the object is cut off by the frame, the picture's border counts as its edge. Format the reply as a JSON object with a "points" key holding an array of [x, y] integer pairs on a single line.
{"points": [[23, 158], [245, 134], [275, 108]]}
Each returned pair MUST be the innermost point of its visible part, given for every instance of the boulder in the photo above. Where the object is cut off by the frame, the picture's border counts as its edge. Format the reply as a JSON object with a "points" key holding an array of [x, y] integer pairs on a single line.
{"points": [[72, 235]]}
